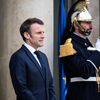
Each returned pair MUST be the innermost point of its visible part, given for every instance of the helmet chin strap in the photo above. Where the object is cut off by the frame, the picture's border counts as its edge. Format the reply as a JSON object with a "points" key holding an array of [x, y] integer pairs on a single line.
{"points": [[84, 33], [81, 29]]}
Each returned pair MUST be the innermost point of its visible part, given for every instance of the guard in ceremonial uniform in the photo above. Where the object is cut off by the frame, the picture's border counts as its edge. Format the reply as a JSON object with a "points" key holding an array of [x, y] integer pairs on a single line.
{"points": [[80, 59]]}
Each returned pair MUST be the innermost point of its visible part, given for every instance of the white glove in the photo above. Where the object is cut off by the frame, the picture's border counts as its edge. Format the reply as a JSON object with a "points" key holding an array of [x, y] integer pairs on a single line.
{"points": [[97, 45]]}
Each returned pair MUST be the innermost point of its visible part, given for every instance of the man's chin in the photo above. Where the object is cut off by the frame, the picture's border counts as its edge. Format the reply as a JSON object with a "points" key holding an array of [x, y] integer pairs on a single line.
{"points": [[41, 45], [86, 33]]}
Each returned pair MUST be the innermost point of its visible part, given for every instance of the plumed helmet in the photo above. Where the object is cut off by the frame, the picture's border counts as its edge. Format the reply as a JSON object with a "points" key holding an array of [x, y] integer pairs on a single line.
{"points": [[77, 12], [82, 15], [78, 8]]}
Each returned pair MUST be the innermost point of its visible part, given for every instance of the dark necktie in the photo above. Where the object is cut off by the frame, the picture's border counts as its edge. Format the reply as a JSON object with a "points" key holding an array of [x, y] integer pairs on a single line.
{"points": [[38, 56], [41, 62]]}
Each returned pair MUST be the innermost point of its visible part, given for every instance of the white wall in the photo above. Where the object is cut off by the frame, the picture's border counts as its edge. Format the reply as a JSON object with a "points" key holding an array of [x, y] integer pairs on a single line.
{"points": [[12, 14]]}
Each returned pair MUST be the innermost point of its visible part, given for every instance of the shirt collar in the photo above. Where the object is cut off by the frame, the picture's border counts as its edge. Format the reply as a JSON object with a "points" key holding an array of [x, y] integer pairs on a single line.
{"points": [[84, 37], [30, 48]]}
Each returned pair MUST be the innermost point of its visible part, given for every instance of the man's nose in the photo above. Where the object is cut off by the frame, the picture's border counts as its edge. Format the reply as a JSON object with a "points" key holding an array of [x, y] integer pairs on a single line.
{"points": [[90, 26], [43, 35]]}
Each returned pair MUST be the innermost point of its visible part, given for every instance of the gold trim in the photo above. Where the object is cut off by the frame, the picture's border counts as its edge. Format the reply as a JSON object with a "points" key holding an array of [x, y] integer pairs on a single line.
{"points": [[67, 49]]}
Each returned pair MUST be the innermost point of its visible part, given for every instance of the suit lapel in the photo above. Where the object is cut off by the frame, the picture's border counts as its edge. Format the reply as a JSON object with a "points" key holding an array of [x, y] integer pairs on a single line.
{"points": [[34, 61]]}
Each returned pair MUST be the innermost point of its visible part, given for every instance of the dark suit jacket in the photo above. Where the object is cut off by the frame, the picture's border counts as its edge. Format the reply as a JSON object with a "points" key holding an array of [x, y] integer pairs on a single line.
{"points": [[29, 80], [78, 66]]}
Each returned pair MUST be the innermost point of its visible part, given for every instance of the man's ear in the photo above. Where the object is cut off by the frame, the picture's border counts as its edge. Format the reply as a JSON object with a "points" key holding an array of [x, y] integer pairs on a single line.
{"points": [[26, 35]]}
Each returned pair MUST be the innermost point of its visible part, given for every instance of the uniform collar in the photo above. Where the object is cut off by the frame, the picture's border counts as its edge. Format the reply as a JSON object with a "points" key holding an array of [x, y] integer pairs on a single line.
{"points": [[80, 40]]}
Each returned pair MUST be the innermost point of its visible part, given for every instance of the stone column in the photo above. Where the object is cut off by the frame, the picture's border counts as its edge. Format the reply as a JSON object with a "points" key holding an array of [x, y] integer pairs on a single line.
{"points": [[12, 14]]}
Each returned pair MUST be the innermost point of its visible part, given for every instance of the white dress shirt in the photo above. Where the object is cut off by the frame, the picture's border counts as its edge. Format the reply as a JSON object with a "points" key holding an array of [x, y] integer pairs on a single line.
{"points": [[32, 50]]}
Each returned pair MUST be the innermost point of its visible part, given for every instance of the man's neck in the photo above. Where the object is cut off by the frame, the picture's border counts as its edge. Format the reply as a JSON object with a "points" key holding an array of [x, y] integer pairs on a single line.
{"points": [[80, 35]]}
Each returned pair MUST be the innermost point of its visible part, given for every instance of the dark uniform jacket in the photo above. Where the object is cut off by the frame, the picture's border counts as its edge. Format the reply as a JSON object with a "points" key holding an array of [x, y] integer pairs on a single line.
{"points": [[82, 64], [29, 80]]}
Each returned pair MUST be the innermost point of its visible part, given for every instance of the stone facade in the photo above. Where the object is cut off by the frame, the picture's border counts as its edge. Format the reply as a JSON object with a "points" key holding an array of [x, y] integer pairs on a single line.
{"points": [[12, 14]]}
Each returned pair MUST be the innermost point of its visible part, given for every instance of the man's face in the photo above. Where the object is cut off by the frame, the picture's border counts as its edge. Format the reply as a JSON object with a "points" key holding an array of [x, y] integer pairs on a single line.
{"points": [[87, 27], [37, 35]]}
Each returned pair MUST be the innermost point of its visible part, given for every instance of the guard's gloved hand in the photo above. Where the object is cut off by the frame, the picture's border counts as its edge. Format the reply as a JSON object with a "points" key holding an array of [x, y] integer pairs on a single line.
{"points": [[97, 45]]}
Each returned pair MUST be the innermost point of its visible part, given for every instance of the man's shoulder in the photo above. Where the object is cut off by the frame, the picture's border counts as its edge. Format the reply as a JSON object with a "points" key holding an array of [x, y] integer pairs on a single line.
{"points": [[19, 52]]}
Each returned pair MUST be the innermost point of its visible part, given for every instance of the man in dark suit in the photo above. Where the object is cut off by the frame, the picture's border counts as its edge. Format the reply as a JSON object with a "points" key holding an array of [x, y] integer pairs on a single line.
{"points": [[29, 68], [81, 60]]}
